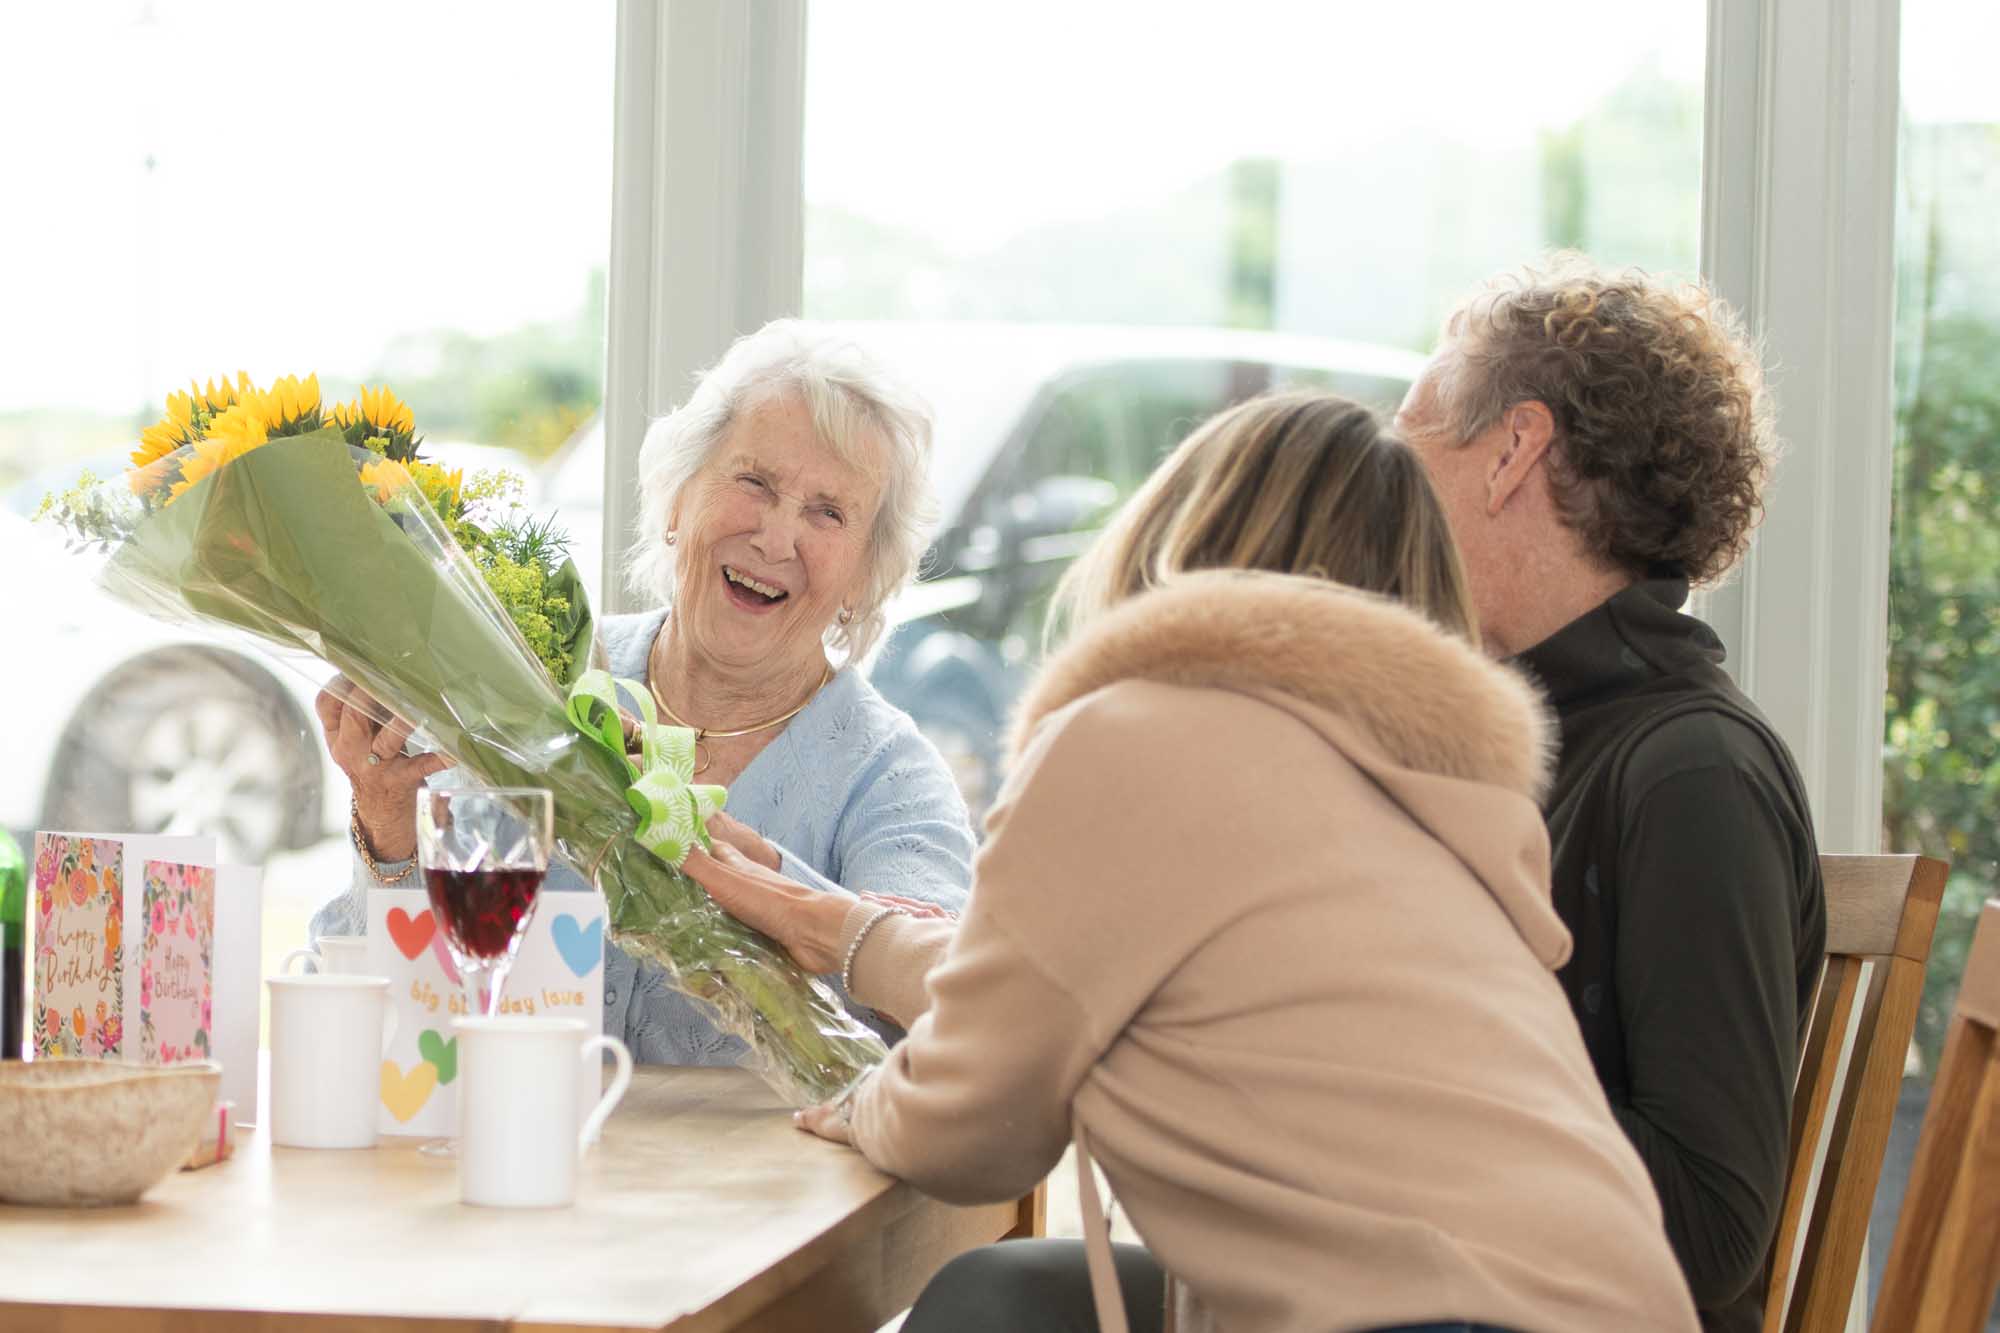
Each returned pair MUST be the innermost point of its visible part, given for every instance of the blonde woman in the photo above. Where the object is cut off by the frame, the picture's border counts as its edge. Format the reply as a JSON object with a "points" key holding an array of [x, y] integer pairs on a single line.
{"points": [[1262, 922]]}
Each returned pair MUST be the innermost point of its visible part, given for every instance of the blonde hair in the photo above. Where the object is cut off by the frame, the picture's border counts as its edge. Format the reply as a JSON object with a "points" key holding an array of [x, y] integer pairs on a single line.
{"points": [[1293, 483]]}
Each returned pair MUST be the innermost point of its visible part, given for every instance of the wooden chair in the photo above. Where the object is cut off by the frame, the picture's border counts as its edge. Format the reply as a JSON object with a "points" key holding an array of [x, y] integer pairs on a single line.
{"points": [[1944, 1264], [1032, 1221], [1880, 910]]}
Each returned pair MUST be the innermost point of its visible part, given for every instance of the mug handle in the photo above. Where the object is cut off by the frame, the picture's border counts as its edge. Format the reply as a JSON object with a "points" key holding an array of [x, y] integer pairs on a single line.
{"points": [[296, 954], [609, 1101]]}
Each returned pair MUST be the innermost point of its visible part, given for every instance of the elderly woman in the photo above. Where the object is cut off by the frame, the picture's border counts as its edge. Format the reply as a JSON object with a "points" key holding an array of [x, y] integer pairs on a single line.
{"points": [[1263, 921], [782, 505]]}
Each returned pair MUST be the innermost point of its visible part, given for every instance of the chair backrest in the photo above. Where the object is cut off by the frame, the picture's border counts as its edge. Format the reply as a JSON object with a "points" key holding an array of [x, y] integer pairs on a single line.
{"points": [[1944, 1264], [1880, 914]]}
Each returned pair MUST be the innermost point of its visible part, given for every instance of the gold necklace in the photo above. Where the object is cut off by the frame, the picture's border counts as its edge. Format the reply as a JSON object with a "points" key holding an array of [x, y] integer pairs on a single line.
{"points": [[702, 734]]}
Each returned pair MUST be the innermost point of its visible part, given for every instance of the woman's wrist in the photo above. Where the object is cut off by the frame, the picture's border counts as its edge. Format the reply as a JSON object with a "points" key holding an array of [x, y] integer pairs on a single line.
{"points": [[374, 836]]}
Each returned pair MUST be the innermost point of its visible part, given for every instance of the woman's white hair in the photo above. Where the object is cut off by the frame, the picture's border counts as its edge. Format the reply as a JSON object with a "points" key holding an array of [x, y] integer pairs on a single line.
{"points": [[853, 401]]}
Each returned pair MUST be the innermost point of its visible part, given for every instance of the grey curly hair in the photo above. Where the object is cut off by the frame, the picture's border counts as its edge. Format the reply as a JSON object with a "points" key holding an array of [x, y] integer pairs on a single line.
{"points": [[853, 401], [1665, 431]]}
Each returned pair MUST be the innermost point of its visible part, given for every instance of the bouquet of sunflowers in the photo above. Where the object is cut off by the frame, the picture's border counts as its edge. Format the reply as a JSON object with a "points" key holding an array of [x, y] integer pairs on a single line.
{"points": [[323, 528]]}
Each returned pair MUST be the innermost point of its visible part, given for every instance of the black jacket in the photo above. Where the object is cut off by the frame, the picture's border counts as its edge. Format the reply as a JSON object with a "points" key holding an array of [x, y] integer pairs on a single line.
{"points": [[1685, 867]]}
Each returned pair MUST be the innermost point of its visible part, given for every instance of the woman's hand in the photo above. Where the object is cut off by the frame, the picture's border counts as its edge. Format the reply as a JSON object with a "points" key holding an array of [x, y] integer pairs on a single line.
{"points": [[830, 1120], [743, 838], [805, 921], [370, 753]]}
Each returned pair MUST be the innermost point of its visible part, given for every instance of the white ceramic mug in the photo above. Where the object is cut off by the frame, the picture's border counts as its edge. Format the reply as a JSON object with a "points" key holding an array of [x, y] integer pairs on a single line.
{"points": [[344, 954], [518, 1138], [327, 1035]]}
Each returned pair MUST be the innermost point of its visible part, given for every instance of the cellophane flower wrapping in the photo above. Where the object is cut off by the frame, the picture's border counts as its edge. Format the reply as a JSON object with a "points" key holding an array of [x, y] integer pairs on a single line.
{"points": [[285, 542]]}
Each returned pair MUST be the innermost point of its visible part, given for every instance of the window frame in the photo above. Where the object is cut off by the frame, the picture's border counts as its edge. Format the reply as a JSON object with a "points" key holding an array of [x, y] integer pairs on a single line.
{"points": [[1801, 118]]}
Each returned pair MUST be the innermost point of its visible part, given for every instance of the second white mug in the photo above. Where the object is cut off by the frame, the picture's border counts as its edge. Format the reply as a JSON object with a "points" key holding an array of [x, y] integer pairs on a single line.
{"points": [[519, 1140], [345, 955], [327, 1034]]}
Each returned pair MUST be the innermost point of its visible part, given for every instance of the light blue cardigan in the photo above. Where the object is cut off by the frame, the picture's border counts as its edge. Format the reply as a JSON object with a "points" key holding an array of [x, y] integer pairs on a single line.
{"points": [[850, 792]]}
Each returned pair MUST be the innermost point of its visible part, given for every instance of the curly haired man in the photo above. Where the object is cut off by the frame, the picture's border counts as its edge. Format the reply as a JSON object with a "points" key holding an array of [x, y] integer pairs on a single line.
{"points": [[1601, 442]]}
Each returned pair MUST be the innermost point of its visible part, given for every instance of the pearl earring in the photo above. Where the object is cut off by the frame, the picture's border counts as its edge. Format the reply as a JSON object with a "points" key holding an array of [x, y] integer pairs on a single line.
{"points": [[672, 537], [844, 616]]}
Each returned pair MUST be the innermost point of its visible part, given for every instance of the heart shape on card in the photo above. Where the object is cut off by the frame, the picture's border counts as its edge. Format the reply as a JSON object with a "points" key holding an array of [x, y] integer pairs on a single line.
{"points": [[411, 935], [581, 948], [439, 1054], [442, 952], [405, 1094]]}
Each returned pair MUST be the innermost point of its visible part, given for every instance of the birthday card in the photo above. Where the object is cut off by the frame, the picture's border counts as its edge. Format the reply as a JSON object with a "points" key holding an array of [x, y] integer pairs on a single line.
{"points": [[79, 995], [176, 963], [558, 972], [143, 949]]}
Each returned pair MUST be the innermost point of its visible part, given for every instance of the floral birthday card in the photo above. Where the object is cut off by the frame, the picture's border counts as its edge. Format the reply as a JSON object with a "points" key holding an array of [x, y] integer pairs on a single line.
{"points": [[176, 964], [143, 948], [78, 998]]}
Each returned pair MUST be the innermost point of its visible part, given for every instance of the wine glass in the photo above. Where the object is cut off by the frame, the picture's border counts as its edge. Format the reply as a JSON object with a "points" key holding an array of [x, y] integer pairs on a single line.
{"points": [[484, 851]]}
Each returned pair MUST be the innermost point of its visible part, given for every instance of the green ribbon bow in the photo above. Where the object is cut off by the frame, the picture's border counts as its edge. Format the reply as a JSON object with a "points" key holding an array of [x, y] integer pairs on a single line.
{"points": [[673, 809]]}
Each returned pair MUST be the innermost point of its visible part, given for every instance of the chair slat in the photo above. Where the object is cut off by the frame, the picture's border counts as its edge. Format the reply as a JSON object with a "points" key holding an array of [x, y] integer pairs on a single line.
{"points": [[1944, 1264], [1965, 1267], [1881, 911], [1933, 1174], [1860, 1138]]}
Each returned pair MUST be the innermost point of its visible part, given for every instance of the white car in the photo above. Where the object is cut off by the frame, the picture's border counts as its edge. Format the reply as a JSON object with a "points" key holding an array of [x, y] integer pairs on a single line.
{"points": [[119, 722], [1041, 431]]}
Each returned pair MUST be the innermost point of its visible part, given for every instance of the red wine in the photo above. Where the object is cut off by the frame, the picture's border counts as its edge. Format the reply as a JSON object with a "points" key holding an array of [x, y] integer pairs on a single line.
{"points": [[483, 910]]}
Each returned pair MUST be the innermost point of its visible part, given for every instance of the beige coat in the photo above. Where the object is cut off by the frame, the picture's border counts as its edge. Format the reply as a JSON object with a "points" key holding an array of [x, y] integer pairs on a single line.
{"points": [[1263, 913]]}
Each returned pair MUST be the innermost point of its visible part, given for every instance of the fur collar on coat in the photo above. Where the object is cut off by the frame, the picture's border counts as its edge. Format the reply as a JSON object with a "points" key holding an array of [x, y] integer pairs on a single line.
{"points": [[1429, 700]]}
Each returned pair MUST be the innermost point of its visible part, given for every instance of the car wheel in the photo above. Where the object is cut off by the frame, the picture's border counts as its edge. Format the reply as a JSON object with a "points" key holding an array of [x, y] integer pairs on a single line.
{"points": [[189, 741]]}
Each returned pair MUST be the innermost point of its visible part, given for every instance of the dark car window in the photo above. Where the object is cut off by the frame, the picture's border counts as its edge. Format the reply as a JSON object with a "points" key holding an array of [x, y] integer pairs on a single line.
{"points": [[1091, 439], [1117, 422]]}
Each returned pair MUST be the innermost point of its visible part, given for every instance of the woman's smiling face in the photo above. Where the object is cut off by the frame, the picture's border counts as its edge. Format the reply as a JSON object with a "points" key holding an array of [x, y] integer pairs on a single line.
{"points": [[773, 537]]}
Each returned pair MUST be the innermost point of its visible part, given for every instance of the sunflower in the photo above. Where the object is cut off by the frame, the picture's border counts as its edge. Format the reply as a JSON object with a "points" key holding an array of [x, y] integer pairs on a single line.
{"points": [[215, 397], [242, 426], [380, 421], [291, 407], [169, 433], [235, 433], [386, 477]]}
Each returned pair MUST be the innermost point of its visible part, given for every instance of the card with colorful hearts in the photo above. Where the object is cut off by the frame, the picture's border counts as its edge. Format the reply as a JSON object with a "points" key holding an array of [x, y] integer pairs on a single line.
{"points": [[559, 971]]}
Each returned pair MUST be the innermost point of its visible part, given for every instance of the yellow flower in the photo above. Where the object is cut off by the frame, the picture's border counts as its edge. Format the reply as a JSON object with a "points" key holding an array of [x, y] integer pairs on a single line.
{"points": [[167, 434], [215, 397], [233, 434], [291, 400], [382, 409], [386, 477], [242, 426]]}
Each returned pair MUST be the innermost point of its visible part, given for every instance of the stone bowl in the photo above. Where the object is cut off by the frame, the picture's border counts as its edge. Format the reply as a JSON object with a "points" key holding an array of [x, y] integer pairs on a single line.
{"points": [[82, 1133]]}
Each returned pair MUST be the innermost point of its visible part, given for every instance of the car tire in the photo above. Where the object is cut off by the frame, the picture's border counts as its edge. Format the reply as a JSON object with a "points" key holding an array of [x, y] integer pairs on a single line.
{"points": [[190, 740]]}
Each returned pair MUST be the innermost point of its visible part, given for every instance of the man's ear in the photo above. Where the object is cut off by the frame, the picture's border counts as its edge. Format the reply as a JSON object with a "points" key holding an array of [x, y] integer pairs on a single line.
{"points": [[1529, 429]]}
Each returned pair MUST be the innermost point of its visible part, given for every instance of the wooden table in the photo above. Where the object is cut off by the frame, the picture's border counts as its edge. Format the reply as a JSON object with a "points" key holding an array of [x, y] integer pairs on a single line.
{"points": [[701, 1209]]}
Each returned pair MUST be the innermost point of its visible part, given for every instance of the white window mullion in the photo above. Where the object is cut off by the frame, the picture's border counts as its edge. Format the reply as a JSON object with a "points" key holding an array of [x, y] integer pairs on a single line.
{"points": [[708, 213], [1797, 232]]}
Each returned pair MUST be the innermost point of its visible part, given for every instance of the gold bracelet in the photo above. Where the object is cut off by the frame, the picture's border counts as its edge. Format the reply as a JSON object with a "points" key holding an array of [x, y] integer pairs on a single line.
{"points": [[367, 857]]}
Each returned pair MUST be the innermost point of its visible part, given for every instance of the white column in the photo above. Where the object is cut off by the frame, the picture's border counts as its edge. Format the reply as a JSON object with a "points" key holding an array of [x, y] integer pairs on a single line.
{"points": [[708, 212], [1797, 232]]}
